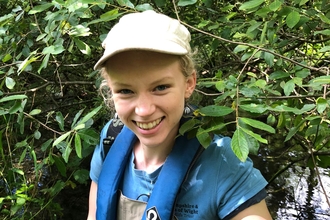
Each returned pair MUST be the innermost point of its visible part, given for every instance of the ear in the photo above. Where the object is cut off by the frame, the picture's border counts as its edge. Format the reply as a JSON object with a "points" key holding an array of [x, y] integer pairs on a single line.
{"points": [[190, 84]]}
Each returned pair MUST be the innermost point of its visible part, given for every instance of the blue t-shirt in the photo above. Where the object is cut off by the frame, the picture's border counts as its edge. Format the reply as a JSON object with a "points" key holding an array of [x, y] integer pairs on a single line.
{"points": [[217, 184]]}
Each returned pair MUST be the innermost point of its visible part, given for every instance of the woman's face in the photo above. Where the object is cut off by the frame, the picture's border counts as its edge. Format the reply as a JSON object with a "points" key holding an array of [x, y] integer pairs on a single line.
{"points": [[149, 92]]}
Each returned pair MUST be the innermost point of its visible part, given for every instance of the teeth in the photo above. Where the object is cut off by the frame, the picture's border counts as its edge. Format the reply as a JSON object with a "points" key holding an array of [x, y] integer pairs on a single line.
{"points": [[149, 125]]}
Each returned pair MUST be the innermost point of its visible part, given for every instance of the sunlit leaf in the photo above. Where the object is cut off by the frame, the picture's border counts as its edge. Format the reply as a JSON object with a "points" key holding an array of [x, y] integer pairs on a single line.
{"points": [[40, 8], [143, 7], [10, 82], [67, 153], [240, 145], [61, 138], [251, 4], [186, 2], [35, 112], [82, 46], [324, 49], [77, 144], [12, 97], [254, 108]]}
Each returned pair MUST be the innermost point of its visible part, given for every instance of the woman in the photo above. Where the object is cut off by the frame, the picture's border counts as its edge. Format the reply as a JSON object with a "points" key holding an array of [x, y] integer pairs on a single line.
{"points": [[151, 172]]}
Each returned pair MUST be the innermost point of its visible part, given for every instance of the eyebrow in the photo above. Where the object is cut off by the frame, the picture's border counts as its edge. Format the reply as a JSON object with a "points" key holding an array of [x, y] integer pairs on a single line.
{"points": [[158, 81]]}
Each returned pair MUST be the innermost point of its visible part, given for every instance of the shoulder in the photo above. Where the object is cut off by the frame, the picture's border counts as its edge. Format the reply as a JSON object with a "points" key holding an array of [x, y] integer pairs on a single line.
{"points": [[220, 150], [98, 155]]}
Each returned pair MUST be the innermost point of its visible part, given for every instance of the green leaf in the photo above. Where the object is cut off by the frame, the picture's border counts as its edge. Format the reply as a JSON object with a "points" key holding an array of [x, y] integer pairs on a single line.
{"points": [[324, 32], [12, 97], [46, 144], [30, 59], [279, 75], [240, 145], [81, 176], [60, 165], [125, 3], [108, 16], [67, 153], [254, 108], [6, 58], [77, 144], [10, 82], [183, 3], [76, 117], [240, 48], [321, 80], [251, 4], [203, 137], [275, 5], [79, 31], [254, 135], [54, 190], [291, 133], [44, 63], [61, 138], [37, 135], [269, 58], [214, 111], [321, 104], [144, 7], [89, 136], [60, 120], [40, 8], [89, 115], [324, 49], [292, 19], [35, 112], [257, 124], [53, 49], [82, 46], [188, 125], [288, 87]]}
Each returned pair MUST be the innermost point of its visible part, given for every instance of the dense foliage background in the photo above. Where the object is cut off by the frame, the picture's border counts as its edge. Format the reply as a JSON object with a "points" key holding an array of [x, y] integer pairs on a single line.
{"points": [[263, 75]]}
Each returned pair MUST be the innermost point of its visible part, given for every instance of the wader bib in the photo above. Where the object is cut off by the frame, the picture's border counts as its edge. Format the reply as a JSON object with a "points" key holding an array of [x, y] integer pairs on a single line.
{"points": [[162, 200]]}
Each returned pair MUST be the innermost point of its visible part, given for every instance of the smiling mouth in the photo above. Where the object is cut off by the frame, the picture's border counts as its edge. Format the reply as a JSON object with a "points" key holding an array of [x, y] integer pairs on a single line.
{"points": [[149, 125]]}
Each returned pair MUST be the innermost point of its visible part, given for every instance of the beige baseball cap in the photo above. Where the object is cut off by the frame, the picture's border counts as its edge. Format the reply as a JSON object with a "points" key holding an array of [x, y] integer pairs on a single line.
{"points": [[146, 30]]}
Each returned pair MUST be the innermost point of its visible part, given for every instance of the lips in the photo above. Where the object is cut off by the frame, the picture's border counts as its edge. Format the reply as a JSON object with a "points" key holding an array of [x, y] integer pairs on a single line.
{"points": [[149, 125]]}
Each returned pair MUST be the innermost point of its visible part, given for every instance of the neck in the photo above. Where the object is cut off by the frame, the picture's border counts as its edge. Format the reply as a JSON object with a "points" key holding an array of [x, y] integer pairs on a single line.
{"points": [[149, 159]]}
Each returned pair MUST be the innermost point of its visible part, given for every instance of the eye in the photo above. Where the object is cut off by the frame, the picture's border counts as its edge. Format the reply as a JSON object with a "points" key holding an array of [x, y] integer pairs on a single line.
{"points": [[125, 91], [161, 87]]}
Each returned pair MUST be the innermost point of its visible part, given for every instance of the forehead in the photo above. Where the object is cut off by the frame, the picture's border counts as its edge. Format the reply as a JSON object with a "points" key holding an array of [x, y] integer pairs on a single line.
{"points": [[140, 59]]}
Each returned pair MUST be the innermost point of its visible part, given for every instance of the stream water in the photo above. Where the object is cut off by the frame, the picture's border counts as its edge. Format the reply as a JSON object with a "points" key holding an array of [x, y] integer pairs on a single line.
{"points": [[298, 193]]}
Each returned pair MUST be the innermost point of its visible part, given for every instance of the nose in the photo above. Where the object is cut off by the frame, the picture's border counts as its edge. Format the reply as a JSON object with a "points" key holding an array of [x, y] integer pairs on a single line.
{"points": [[145, 105]]}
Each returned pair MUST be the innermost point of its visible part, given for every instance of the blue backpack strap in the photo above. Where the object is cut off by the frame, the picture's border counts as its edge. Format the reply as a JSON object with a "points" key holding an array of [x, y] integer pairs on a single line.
{"points": [[110, 178], [114, 129], [163, 197]]}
